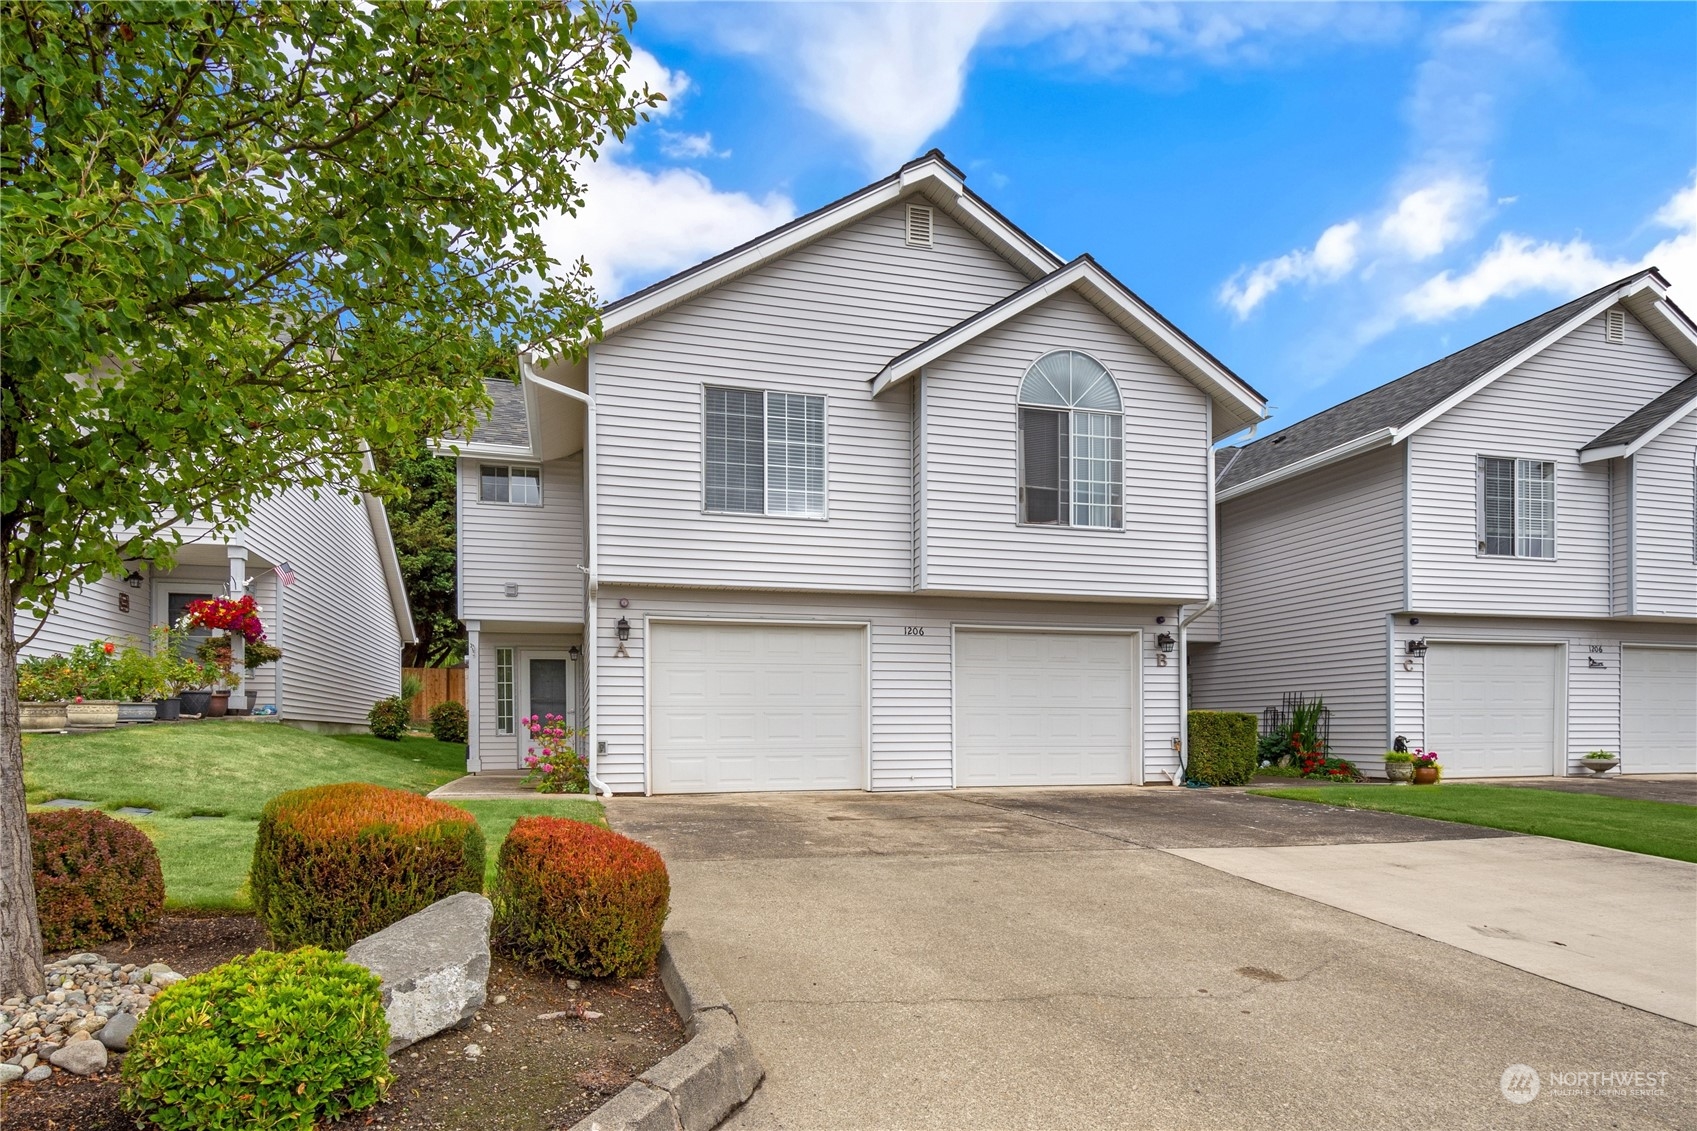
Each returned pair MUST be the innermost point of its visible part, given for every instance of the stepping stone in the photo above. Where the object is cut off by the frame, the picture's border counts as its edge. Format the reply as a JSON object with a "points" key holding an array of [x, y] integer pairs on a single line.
{"points": [[69, 803], [135, 811], [206, 817]]}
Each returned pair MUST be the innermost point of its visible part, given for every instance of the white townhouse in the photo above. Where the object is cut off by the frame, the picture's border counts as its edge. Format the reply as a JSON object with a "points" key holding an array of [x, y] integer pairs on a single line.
{"points": [[340, 624], [890, 497], [1493, 556]]}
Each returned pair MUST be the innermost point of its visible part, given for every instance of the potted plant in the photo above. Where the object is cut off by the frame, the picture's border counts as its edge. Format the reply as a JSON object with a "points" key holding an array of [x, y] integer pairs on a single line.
{"points": [[173, 671], [43, 688], [140, 679], [233, 616], [1427, 771], [1399, 766], [94, 687], [214, 654], [1599, 761], [256, 653]]}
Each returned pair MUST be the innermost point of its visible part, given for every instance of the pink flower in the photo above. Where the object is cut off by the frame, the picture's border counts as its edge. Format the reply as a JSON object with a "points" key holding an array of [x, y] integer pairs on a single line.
{"points": [[547, 769]]}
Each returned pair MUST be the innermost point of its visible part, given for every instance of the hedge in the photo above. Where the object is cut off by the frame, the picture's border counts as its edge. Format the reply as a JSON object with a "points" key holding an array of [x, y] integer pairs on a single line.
{"points": [[583, 899], [449, 721], [96, 878], [335, 863], [1222, 748]]}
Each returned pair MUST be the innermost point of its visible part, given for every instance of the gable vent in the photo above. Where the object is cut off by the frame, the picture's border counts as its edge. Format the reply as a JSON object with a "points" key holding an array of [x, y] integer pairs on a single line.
{"points": [[919, 225], [1614, 326]]}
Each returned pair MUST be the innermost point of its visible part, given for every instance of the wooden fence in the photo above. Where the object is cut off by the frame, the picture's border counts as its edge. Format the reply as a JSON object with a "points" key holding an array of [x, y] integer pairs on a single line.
{"points": [[440, 685]]}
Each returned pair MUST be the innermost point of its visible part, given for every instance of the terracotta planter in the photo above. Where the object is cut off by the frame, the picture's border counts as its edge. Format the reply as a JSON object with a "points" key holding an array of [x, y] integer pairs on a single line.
{"points": [[137, 712], [92, 714], [219, 705], [1425, 775], [1599, 765], [41, 718], [1399, 771], [170, 710], [195, 702]]}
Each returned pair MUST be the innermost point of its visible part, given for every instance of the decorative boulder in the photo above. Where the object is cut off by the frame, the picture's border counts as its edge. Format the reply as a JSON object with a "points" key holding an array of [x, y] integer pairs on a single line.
{"points": [[434, 966]]}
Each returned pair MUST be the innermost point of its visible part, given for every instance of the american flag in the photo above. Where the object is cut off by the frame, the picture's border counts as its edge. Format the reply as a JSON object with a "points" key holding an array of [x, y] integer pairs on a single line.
{"points": [[285, 573]]}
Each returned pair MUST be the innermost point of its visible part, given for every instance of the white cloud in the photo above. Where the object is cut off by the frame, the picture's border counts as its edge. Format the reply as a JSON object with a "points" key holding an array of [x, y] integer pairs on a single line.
{"points": [[1428, 220], [645, 69], [1331, 257], [687, 147], [1518, 264]]}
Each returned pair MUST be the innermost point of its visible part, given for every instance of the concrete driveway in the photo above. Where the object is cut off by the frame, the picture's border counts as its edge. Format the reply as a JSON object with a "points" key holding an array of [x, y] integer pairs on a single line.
{"points": [[1041, 959]]}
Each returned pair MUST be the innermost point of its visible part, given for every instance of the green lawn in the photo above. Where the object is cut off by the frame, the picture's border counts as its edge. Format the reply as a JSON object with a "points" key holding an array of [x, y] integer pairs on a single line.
{"points": [[1656, 828], [228, 770]]}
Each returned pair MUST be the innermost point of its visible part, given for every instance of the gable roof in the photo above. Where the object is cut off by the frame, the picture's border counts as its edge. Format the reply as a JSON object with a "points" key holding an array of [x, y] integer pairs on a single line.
{"points": [[1393, 411], [504, 430], [931, 175], [1631, 434], [1238, 403]]}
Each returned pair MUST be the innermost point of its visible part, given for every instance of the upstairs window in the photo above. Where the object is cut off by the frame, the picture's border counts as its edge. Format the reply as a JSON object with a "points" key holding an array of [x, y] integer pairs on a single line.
{"points": [[1517, 508], [521, 486], [764, 453], [1071, 458]]}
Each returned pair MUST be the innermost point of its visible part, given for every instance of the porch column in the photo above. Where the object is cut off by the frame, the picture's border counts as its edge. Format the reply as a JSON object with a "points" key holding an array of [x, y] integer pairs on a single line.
{"points": [[237, 585], [473, 697]]}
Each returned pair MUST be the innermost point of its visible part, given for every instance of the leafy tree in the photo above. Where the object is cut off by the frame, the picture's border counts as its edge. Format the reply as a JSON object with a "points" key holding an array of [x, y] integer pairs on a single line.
{"points": [[422, 522], [246, 242]]}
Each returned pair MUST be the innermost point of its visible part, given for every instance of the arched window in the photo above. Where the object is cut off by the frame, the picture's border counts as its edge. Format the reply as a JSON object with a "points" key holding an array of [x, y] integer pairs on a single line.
{"points": [[1071, 459]]}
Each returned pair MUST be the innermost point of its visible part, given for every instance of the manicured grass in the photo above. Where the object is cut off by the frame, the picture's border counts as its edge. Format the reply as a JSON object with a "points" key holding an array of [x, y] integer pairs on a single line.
{"points": [[229, 770], [1656, 828]]}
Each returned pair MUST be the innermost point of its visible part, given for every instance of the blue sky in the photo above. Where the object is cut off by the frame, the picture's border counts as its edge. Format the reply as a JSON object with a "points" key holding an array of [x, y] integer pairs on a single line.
{"points": [[1325, 196]]}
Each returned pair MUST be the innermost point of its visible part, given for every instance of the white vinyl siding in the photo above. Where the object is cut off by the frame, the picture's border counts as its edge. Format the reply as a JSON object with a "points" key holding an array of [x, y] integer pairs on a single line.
{"points": [[1658, 710], [537, 549], [911, 681], [1309, 572], [972, 534], [1664, 531], [819, 321], [1545, 411]]}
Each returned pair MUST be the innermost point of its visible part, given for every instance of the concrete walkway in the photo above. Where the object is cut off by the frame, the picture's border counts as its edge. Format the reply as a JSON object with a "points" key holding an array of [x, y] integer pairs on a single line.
{"points": [[494, 787], [1039, 959]]}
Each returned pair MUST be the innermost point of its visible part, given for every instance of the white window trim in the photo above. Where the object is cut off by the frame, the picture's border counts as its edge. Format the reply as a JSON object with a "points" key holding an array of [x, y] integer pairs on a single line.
{"points": [[1479, 509], [825, 514], [509, 467], [1019, 449], [510, 658], [521, 692]]}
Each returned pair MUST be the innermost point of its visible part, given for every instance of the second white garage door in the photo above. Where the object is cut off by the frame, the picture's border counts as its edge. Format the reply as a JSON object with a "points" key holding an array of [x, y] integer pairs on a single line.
{"points": [[1491, 709], [1045, 708], [745, 707], [1658, 710]]}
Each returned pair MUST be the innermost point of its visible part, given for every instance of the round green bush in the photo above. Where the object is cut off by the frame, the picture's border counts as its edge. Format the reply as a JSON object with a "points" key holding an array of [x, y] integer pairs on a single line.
{"points": [[335, 863], [96, 878], [267, 1041], [389, 718], [449, 722], [582, 899]]}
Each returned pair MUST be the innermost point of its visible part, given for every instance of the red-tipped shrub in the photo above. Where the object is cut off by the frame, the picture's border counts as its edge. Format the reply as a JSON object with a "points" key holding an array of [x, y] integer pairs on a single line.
{"points": [[335, 863], [96, 878], [580, 898]]}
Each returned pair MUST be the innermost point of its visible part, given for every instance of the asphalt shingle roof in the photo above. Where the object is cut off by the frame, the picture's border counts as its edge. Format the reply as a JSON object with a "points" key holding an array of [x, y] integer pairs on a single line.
{"points": [[1649, 416], [1395, 404], [506, 422]]}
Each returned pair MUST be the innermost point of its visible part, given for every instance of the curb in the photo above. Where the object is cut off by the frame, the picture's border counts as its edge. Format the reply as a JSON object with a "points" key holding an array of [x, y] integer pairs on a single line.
{"points": [[696, 1087]]}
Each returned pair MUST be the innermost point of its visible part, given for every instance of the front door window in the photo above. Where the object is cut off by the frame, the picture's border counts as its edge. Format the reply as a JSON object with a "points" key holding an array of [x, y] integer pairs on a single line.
{"points": [[177, 607], [550, 688]]}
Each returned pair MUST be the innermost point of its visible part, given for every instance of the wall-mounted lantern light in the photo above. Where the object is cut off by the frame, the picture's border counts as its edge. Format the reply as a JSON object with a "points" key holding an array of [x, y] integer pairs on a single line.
{"points": [[1166, 643], [1416, 648], [622, 631], [133, 579], [575, 653]]}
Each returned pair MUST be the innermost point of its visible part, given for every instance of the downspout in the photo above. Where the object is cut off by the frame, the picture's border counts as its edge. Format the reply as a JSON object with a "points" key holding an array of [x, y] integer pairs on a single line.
{"points": [[1186, 619], [591, 635]]}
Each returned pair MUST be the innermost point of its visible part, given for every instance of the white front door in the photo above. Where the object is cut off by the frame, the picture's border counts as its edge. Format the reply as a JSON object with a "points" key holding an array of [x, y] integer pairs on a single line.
{"points": [[547, 685], [1045, 708], [1658, 710], [748, 707], [1493, 710]]}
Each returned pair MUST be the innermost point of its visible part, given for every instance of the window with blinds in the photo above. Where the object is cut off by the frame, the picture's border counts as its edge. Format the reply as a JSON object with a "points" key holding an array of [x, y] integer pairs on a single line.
{"points": [[764, 453], [1517, 507], [1071, 447]]}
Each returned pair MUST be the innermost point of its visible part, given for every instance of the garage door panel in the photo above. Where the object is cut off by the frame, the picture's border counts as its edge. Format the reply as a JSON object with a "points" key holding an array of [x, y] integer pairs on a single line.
{"points": [[755, 707], [1492, 710], [1658, 710]]}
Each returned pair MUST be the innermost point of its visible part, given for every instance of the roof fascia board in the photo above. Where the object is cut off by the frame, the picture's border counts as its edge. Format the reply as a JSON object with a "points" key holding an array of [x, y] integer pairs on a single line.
{"points": [[455, 449], [1627, 451], [394, 580], [1382, 438], [1667, 322]]}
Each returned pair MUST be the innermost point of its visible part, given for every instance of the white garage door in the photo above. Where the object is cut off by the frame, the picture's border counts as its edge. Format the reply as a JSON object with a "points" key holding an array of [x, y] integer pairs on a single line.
{"points": [[1491, 709], [1045, 708], [740, 707], [1658, 710]]}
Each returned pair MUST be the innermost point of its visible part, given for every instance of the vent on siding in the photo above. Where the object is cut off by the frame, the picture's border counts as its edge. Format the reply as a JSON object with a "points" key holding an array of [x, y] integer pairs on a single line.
{"points": [[1614, 326], [919, 225]]}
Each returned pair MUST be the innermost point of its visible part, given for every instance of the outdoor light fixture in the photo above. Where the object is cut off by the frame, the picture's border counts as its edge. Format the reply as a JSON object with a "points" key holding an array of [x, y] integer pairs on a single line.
{"points": [[575, 653], [133, 579], [622, 631], [1416, 647], [1165, 642]]}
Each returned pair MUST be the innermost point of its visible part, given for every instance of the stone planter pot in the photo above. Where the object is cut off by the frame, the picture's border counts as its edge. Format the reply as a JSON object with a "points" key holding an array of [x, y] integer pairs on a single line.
{"points": [[1425, 775], [92, 714], [1599, 765], [1399, 772], [170, 710], [195, 702], [219, 705], [40, 718], [137, 712]]}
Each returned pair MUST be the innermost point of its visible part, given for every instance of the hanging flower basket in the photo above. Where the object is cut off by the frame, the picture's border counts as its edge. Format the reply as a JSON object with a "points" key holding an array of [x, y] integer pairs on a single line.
{"points": [[238, 616]]}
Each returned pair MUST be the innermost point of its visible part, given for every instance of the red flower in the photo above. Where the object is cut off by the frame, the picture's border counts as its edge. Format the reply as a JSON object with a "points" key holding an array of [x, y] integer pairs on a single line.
{"points": [[108, 647]]}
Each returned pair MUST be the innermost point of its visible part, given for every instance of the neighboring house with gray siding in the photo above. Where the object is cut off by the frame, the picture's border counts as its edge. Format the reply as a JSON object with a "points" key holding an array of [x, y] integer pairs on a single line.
{"points": [[1493, 557], [341, 623], [889, 498]]}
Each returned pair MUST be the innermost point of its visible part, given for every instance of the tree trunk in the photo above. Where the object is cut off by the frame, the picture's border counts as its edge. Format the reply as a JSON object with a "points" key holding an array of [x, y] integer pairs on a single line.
{"points": [[20, 929]]}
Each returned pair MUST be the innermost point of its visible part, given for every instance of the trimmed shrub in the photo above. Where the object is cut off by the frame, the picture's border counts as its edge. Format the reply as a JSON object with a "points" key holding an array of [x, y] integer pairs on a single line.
{"points": [[389, 718], [269, 1040], [335, 863], [1222, 748], [580, 898], [96, 878], [449, 722]]}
